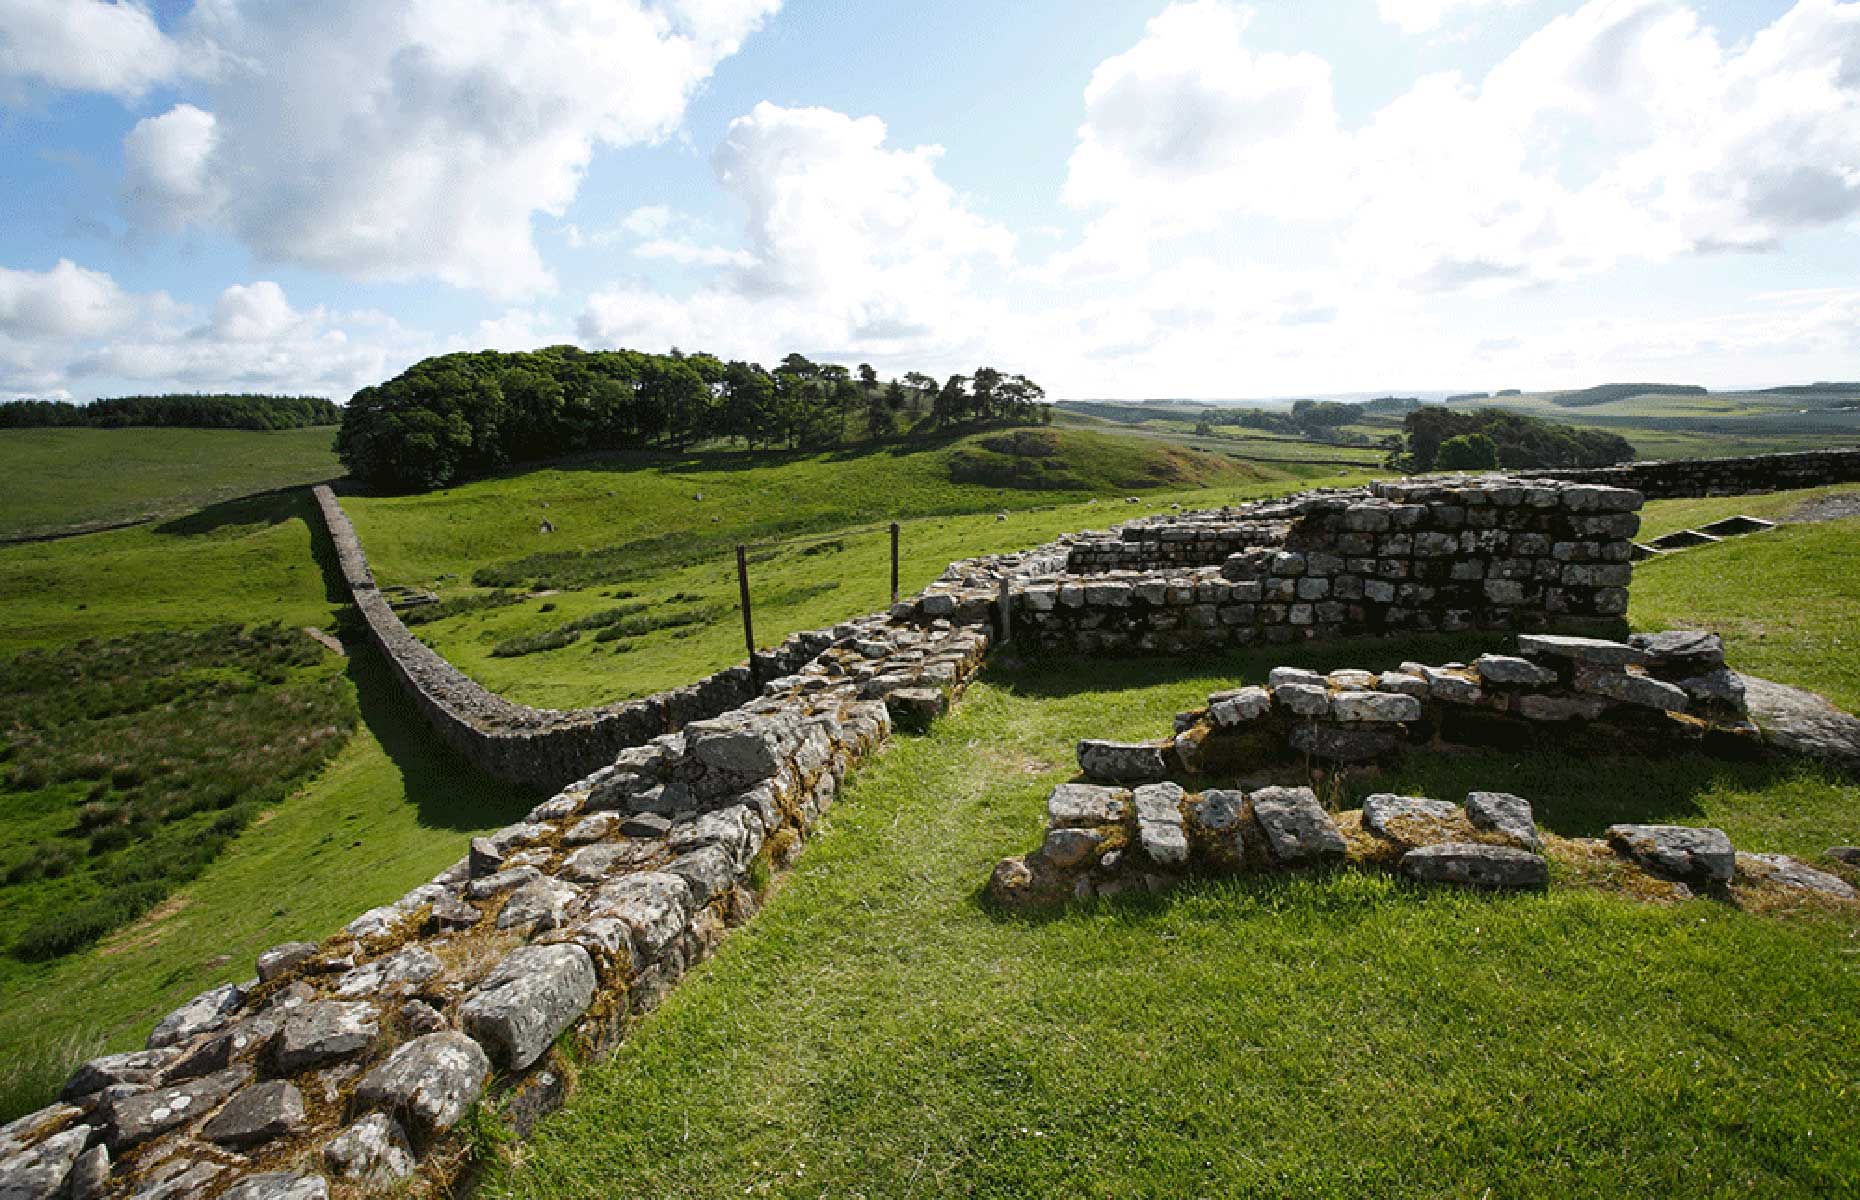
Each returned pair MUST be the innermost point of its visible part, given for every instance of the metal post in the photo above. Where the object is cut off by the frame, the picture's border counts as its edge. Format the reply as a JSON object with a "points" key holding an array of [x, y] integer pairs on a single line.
{"points": [[894, 562], [749, 629], [1007, 613]]}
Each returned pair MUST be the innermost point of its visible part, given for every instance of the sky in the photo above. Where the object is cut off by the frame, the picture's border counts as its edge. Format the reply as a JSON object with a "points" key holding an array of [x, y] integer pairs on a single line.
{"points": [[1204, 198]]}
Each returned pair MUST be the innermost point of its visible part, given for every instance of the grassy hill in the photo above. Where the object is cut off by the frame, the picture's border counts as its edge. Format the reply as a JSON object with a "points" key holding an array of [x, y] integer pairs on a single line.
{"points": [[60, 479]]}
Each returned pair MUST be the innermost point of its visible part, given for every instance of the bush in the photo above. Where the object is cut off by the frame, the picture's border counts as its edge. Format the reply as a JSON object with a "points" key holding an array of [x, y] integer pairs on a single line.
{"points": [[1467, 452], [535, 643]]}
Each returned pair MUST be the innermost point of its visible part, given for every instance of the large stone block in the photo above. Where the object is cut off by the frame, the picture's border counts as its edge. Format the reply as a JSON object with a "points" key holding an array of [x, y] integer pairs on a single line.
{"points": [[1297, 830], [1473, 864], [429, 1083], [1682, 852], [532, 995]]}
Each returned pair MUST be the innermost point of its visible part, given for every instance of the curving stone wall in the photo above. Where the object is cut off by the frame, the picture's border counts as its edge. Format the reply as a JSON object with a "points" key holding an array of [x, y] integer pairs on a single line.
{"points": [[1681, 477], [540, 748], [1131, 826]]}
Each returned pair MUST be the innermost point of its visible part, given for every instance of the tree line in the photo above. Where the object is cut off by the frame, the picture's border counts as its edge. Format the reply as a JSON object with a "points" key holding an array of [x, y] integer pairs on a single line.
{"points": [[465, 415], [182, 411], [1444, 439]]}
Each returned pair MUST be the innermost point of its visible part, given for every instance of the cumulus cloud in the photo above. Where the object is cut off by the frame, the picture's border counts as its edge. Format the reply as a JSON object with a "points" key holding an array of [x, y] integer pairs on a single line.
{"points": [[74, 331], [83, 45], [1423, 16], [419, 139], [847, 241]]}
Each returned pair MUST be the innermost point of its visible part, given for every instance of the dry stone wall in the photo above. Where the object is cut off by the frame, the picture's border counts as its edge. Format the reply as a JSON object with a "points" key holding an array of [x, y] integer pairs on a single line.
{"points": [[1491, 553], [538, 748], [347, 1065], [1681, 477]]}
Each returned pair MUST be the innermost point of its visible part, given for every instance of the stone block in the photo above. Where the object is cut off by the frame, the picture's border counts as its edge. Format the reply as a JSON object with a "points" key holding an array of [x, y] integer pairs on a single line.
{"points": [[1084, 804], [1295, 826], [1473, 864], [1506, 815], [1682, 852], [532, 995], [1121, 762], [429, 1083]]}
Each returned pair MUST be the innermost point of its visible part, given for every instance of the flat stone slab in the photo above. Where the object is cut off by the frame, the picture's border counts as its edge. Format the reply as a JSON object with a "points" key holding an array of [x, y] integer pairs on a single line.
{"points": [[257, 1114], [1067, 848], [1122, 762], [1411, 820], [1692, 649], [534, 993], [1296, 827], [131, 1120], [373, 1151], [278, 1185], [1080, 804], [1682, 539], [1737, 526], [1802, 722], [1632, 689], [324, 1032], [1682, 852], [40, 1172], [428, 1083], [1374, 708], [1595, 651], [1518, 672], [1783, 871], [1344, 743], [1242, 705], [1474, 864], [206, 1011], [1504, 814], [1160, 830]]}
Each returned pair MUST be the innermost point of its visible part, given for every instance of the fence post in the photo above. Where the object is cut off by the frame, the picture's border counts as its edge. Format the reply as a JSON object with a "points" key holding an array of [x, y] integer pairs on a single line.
{"points": [[894, 562], [749, 629]]}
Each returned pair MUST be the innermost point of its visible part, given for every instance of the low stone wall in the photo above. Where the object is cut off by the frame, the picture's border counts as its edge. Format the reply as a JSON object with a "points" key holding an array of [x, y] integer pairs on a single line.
{"points": [[539, 748], [1681, 477], [350, 1063], [1494, 553], [1133, 827]]}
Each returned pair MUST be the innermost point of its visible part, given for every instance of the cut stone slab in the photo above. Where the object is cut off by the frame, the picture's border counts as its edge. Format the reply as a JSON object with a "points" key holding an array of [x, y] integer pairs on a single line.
{"points": [[206, 1011], [1067, 848], [1690, 649], [914, 708], [1682, 852], [1303, 699], [1344, 743], [1159, 824], [279, 959], [654, 905], [1243, 705], [538, 906], [1122, 762], [399, 973], [178, 1179], [1682, 539], [533, 994], [1411, 820], [1504, 669], [428, 1084], [1474, 864], [1594, 651], [278, 1185], [1802, 722], [1296, 827], [1638, 690], [709, 872], [1374, 708], [1786, 872], [324, 1032], [1085, 804], [41, 1172], [372, 1151], [257, 1114], [1560, 708], [132, 1066], [1507, 815], [134, 1119]]}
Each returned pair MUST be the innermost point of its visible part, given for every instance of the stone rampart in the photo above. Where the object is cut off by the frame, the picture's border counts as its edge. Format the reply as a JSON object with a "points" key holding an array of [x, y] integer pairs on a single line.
{"points": [[1682, 477], [540, 748], [1431, 555]]}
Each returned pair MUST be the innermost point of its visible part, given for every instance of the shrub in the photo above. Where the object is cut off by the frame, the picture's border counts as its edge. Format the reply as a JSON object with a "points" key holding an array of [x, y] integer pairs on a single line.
{"points": [[1467, 452], [535, 643]]}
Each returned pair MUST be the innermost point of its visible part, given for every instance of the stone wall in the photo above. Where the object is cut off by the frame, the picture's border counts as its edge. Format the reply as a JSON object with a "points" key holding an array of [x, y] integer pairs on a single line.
{"points": [[349, 1064], [1445, 555], [1680, 477], [540, 748]]}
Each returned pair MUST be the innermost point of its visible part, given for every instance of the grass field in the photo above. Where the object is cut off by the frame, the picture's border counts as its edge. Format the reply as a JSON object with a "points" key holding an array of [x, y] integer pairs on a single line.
{"points": [[878, 1030], [57, 479]]}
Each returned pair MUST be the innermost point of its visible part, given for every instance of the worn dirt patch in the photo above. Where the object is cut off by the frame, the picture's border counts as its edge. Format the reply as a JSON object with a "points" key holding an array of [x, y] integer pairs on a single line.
{"points": [[1826, 508], [146, 929]]}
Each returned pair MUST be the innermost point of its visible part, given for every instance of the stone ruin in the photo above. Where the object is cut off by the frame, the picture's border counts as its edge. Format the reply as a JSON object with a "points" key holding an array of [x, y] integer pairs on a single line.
{"points": [[1131, 827], [348, 1065]]}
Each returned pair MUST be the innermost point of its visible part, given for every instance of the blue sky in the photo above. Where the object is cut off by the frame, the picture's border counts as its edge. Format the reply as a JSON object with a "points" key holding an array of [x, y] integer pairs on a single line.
{"points": [[1205, 198]]}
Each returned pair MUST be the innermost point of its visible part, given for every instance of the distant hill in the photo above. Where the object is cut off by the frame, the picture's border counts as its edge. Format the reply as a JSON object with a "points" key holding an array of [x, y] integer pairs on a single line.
{"points": [[1608, 392], [183, 411]]}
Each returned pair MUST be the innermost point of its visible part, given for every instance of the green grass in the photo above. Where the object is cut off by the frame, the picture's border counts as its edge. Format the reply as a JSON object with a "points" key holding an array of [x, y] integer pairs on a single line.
{"points": [[1664, 516], [878, 1030], [56, 479], [130, 764]]}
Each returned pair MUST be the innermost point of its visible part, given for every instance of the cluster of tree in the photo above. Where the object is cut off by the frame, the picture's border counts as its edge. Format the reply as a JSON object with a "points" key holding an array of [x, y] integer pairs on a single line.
{"points": [[1603, 393], [186, 411], [1318, 420], [1437, 438], [459, 416]]}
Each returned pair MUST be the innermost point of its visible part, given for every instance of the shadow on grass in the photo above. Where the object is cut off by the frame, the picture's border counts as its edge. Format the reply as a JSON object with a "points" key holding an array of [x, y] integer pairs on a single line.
{"points": [[262, 508]]}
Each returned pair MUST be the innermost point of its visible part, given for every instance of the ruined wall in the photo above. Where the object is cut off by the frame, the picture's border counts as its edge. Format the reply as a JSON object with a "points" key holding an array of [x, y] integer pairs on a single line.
{"points": [[539, 748], [1492, 553], [1679, 477]]}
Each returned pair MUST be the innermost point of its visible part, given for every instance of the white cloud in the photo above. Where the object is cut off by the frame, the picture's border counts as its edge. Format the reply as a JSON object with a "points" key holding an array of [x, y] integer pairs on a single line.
{"points": [[166, 180], [83, 45], [75, 331], [1423, 16], [847, 242], [419, 139]]}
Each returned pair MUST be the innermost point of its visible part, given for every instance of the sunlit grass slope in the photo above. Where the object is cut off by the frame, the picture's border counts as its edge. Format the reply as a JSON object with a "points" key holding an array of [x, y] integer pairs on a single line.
{"points": [[52, 479]]}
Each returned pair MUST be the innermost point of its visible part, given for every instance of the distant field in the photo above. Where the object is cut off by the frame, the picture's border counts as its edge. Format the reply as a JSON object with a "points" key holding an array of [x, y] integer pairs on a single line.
{"points": [[1664, 425], [57, 479]]}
